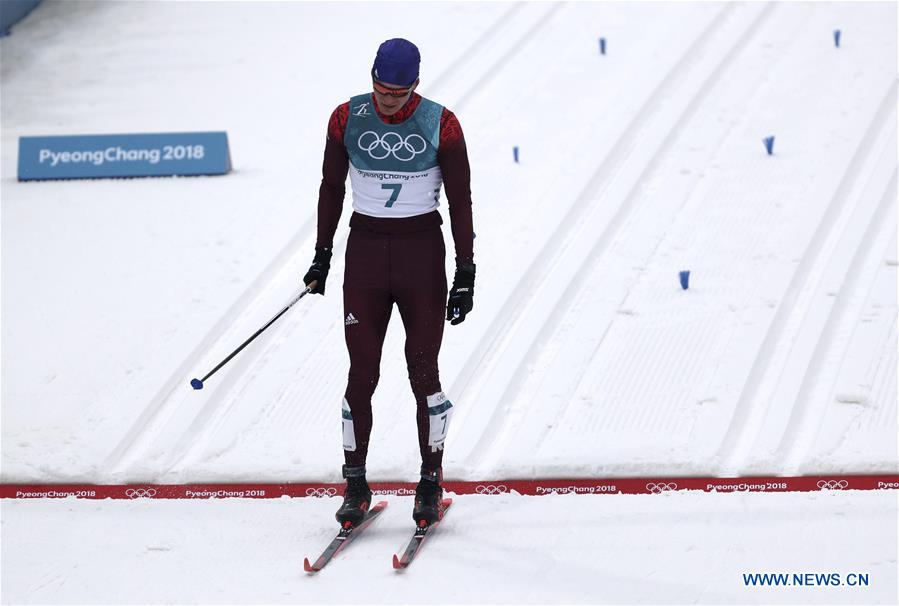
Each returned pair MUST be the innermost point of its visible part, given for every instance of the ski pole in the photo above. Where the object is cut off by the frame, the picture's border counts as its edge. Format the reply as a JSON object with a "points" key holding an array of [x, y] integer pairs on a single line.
{"points": [[198, 383]]}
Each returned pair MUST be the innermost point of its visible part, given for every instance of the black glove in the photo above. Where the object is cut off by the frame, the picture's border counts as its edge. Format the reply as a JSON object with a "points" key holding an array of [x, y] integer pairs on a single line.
{"points": [[461, 295], [321, 264]]}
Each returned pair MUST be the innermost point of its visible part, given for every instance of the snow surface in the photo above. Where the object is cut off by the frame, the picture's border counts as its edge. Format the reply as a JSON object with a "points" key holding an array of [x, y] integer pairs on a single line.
{"points": [[688, 547], [583, 356]]}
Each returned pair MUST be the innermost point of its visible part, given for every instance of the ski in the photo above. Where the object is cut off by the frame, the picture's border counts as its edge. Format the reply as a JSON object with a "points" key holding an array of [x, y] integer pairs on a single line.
{"points": [[421, 533], [343, 538]]}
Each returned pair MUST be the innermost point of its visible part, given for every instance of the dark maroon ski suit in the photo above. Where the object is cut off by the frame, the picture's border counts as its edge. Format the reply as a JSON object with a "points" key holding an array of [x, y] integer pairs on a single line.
{"points": [[395, 260]]}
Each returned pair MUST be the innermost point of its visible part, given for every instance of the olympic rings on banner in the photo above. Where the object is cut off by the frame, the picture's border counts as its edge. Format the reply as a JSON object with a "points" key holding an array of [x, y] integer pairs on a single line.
{"points": [[491, 489], [832, 484], [661, 487]]}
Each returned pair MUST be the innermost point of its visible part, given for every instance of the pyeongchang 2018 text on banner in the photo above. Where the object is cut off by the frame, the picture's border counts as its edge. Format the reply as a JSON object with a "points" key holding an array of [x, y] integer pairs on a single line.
{"points": [[129, 155]]}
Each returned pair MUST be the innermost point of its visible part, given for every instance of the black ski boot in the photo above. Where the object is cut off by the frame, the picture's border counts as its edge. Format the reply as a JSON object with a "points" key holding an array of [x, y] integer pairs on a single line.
{"points": [[356, 498], [428, 498]]}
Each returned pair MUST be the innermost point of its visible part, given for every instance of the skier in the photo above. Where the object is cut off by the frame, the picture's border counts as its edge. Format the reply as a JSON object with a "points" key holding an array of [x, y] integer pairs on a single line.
{"points": [[397, 147]]}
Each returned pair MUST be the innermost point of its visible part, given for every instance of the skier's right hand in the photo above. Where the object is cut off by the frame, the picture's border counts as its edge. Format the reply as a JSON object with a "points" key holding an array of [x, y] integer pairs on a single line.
{"points": [[321, 264]]}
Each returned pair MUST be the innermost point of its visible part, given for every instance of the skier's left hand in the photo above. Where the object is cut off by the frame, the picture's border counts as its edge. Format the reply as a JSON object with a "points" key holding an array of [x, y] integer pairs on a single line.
{"points": [[461, 295]]}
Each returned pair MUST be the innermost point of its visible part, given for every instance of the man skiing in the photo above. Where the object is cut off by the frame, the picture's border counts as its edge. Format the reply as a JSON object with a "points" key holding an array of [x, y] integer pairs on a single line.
{"points": [[398, 148]]}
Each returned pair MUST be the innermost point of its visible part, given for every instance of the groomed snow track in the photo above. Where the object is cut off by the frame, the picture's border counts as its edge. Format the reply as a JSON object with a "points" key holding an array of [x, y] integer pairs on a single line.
{"points": [[583, 357]]}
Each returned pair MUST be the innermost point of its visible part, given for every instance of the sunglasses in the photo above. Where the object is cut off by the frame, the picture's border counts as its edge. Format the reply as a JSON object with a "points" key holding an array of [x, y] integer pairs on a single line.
{"points": [[391, 92]]}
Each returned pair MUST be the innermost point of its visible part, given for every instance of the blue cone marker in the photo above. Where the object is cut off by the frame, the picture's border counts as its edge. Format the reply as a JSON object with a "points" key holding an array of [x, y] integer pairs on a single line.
{"points": [[196, 383], [602, 46], [685, 279], [515, 154], [769, 144], [836, 38]]}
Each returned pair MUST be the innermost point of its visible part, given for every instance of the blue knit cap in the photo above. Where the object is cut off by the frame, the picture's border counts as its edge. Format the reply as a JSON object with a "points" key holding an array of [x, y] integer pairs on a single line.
{"points": [[396, 62]]}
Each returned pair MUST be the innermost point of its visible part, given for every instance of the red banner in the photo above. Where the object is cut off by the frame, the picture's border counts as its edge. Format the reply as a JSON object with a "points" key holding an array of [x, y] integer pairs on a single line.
{"points": [[491, 487]]}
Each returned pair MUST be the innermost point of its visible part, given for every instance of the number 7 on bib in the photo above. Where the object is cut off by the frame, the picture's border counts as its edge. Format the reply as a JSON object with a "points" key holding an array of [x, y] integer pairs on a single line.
{"points": [[396, 187]]}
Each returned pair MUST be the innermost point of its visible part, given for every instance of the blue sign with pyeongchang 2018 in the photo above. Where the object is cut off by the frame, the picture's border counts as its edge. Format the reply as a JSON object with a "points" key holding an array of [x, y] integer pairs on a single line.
{"points": [[138, 155]]}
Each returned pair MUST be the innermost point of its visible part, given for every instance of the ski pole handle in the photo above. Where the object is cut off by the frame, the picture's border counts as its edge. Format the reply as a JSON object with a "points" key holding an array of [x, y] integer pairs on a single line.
{"points": [[198, 383], [309, 288]]}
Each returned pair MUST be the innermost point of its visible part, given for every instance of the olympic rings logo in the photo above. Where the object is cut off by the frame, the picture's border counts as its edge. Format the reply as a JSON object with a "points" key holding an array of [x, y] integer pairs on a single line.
{"points": [[660, 488], [321, 492], [379, 147], [832, 484], [491, 489], [140, 493]]}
